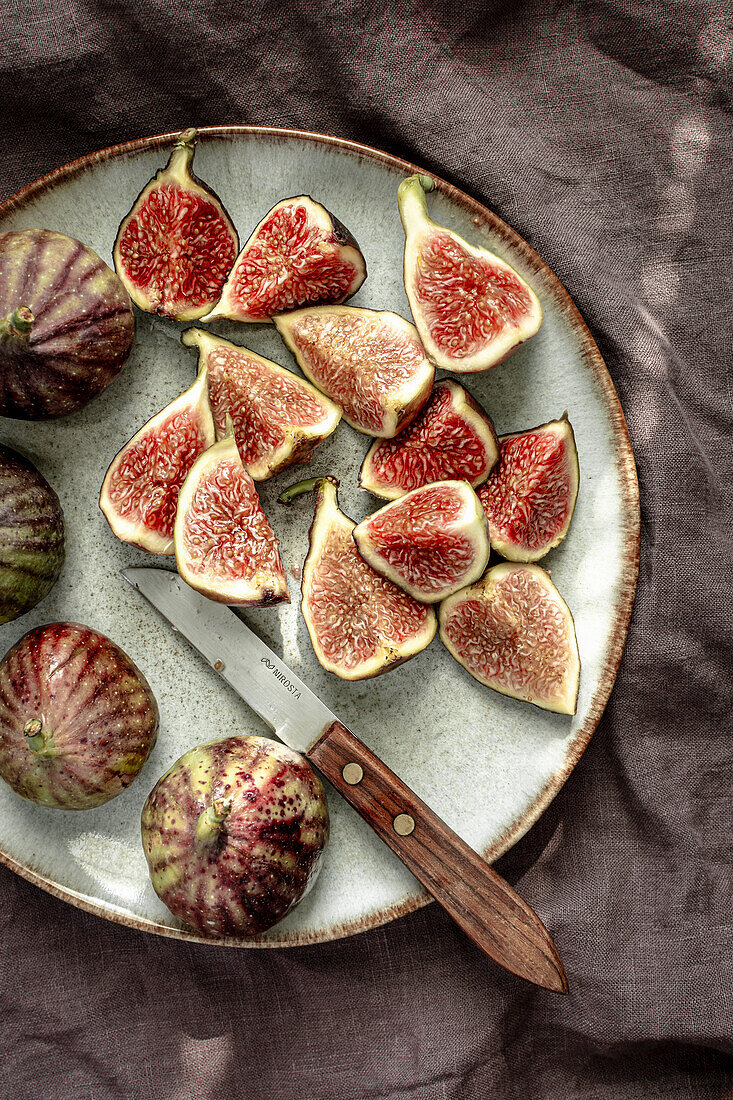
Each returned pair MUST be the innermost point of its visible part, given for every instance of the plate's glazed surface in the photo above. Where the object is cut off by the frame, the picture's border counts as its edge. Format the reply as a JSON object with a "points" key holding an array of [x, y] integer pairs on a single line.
{"points": [[487, 764]]}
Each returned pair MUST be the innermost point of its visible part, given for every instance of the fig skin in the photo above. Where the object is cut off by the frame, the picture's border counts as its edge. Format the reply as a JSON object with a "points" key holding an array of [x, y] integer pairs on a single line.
{"points": [[67, 326], [31, 536], [77, 718], [234, 835]]}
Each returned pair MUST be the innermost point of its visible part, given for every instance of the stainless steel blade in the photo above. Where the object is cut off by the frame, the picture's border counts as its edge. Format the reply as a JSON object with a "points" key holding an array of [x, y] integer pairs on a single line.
{"points": [[271, 689]]}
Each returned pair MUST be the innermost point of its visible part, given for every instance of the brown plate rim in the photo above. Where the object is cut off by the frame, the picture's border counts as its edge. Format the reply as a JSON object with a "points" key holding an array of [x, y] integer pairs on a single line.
{"points": [[631, 523]]}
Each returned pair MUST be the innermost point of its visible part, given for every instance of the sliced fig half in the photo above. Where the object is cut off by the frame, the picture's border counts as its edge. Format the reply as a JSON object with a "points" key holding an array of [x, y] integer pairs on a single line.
{"points": [[298, 255], [176, 246], [278, 418], [530, 496], [360, 623], [431, 542], [370, 363], [225, 546], [471, 308], [140, 490], [514, 632], [450, 438]]}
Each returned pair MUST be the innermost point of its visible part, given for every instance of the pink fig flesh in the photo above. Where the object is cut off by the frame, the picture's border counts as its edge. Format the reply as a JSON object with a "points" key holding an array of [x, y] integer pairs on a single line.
{"points": [[370, 363], [451, 438], [431, 542], [530, 495], [513, 632]]}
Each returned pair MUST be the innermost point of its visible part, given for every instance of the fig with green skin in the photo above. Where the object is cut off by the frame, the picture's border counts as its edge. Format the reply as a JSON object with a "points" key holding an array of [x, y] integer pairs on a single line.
{"points": [[31, 536], [176, 246], [514, 632], [234, 835], [66, 324], [470, 307], [77, 718], [298, 255], [278, 418], [452, 437], [530, 495], [430, 542], [370, 362], [360, 624], [225, 546], [139, 494]]}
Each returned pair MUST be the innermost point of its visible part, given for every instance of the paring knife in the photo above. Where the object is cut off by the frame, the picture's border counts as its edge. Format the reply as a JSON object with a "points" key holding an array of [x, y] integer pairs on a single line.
{"points": [[488, 910]]}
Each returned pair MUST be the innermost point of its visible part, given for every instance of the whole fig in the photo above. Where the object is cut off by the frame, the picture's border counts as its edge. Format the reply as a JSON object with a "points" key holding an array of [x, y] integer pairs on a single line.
{"points": [[77, 718], [234, 834]]}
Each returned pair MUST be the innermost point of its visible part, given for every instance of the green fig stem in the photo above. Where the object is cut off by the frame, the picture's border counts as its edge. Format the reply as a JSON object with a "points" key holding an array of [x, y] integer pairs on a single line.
{"points": [[17, 324], [411, 201], [180, 160], [301, 487], [38, 739], [208, 826]]}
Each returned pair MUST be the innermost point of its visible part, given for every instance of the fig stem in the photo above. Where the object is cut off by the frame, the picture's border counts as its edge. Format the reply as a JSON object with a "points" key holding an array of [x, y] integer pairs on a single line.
{"points": [[37, 738], [411, 201], [179, 163], [18, 323], [208, 826], [288, 495]]}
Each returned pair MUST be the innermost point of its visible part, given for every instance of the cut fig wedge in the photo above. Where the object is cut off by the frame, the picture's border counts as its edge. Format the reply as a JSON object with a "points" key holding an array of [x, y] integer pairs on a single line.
{"points": [[298, 255], [450, 438], [177, 245], [530, 496], [470, 307], [431, 542], [360, 623], [370, 363], [225, 546], [513, 632], [140, 490], [278, 418]]}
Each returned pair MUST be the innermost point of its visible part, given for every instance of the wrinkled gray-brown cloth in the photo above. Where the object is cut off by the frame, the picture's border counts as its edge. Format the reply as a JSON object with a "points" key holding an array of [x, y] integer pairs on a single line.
{"points": [[602, 132]]}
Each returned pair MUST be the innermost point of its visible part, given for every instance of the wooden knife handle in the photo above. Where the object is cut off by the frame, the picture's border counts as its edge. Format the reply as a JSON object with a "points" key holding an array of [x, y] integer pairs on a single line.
{"points": [[488, 910]]}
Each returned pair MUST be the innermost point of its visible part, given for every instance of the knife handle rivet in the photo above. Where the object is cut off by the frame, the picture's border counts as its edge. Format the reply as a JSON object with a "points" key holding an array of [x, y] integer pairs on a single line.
{"points": [[403, 824], [353, 773]]}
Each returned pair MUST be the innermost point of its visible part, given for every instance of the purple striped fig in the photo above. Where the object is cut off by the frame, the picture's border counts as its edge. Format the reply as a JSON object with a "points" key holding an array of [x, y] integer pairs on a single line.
{"points": [[234, 834], [77, 718], [66, 324]]}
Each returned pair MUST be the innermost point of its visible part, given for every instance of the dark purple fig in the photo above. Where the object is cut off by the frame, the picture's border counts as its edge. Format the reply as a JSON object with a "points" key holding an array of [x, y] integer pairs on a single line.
{"points": [[66, 324], [513, 631], [77, 718], [529, 498], [31, 536], [470, 307], [175, 247], [298, 255], [234, 835]]}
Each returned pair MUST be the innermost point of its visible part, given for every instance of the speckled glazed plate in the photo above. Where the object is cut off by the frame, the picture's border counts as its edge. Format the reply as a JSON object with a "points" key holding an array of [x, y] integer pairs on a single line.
{"points": [[487, 764]]}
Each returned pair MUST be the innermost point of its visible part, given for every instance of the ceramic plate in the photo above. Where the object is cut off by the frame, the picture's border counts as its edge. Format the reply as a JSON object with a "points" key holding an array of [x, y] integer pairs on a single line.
{"points": [[487, 764]]}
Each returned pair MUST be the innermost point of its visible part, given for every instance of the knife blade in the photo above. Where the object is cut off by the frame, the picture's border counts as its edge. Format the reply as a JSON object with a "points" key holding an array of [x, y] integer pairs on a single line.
{"points": [[491, 913]]}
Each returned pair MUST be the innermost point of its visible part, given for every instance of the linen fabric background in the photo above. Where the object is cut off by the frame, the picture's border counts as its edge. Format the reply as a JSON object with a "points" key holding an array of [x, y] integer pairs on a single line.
{"points": [[601, 132]]}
